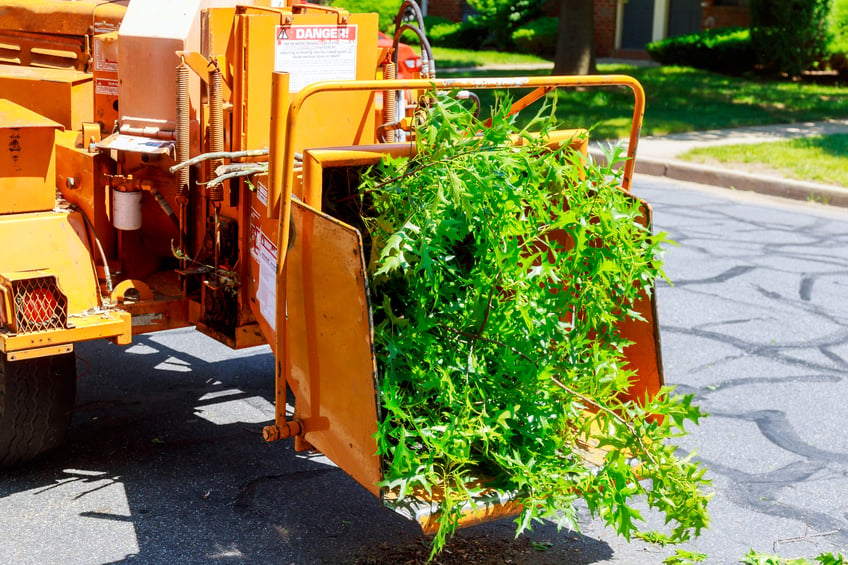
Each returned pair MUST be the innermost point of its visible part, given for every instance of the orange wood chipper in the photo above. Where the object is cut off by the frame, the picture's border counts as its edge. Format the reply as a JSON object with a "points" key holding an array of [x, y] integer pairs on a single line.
{"points": [[165, 163]]}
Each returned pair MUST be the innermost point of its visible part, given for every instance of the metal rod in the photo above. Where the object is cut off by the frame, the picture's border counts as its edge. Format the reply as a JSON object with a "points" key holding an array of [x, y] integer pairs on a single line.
{"points": [[215, 192], [222, 155]]}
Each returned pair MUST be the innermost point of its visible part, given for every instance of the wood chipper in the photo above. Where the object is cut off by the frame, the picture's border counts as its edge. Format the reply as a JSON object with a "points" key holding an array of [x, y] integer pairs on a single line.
{"points": [[167, 163]]}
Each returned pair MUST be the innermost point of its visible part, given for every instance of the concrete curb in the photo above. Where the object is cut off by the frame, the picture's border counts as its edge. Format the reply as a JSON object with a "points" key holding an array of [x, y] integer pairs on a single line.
{"points": [[738, 180]]}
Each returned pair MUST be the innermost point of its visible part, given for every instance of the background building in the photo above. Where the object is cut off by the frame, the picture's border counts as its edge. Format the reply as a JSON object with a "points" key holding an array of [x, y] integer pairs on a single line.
{"points": [[624, 27]]}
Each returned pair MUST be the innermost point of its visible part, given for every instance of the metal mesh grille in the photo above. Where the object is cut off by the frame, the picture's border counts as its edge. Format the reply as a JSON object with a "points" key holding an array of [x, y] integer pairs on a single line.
{"points": [[39, 305]]}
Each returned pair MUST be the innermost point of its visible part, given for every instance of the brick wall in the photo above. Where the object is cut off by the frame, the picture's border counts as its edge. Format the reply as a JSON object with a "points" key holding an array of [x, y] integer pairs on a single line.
{"points": [[605, 12], [450, 9], [725, 15]]}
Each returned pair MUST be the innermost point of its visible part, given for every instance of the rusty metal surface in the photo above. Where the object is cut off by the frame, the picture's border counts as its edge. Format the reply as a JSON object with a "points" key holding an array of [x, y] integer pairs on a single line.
{"points": [[80, 17]]}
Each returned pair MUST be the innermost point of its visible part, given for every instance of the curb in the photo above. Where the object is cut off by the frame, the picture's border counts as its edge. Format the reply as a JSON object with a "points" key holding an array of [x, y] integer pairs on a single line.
{"points": [[738, 180]]}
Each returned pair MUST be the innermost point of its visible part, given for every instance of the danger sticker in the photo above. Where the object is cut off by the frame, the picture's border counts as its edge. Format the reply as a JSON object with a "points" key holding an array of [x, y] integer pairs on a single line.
{"points": [[108, 86], [317, 32], [313, 53]]}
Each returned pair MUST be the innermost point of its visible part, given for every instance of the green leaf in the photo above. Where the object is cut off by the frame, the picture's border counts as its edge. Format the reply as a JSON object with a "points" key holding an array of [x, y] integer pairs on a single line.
{"points": [[500, 275]]}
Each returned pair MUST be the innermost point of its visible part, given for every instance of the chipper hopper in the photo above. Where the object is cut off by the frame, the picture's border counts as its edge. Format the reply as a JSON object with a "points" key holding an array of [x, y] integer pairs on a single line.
{"points": [[171, 163]]}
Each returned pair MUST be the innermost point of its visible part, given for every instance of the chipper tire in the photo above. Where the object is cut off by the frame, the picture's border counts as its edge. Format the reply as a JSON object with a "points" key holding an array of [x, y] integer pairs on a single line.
{"points": [[36, 404]]}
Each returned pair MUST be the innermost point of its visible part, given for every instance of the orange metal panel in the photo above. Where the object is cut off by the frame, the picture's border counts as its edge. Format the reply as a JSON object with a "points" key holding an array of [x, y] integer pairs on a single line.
{"points": [[356, 124], [45, 51], [110, 324], [54, 240], [79, 17], [105, 74], [27, 161], [249, 335], [81, 178], [260, 282], [644, 356], [253, 108], [254, 61], [39, 352], [328, 352], [63, 96], [217, 37]]}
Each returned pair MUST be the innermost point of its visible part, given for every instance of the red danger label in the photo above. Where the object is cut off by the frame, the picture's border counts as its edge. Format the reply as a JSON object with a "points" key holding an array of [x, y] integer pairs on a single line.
{"points": [[312, 33]]}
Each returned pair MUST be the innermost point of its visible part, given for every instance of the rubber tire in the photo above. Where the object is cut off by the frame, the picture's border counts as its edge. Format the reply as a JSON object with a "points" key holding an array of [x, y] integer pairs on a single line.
{"points": [[36, 404]]}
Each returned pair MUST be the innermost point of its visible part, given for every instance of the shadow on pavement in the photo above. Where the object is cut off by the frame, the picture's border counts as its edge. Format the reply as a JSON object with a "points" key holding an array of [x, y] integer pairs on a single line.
{"points": [[165, 464]]}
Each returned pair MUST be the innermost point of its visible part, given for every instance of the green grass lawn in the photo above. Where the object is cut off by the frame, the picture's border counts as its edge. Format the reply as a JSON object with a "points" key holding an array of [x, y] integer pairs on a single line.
{"points": [[822, 158], [678, 99], [456, 58]]}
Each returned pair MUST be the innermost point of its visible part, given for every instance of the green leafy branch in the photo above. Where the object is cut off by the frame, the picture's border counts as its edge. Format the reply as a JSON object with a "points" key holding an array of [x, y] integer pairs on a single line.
{"points": [[502, 267]]}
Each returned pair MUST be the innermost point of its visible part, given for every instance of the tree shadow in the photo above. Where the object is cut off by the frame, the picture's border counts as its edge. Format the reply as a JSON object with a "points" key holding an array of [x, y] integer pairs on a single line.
{"points": [[162, 467]]}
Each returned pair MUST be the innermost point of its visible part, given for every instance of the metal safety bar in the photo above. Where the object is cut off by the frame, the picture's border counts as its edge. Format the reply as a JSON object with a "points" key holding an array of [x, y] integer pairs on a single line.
{"points": [[284, 122]]}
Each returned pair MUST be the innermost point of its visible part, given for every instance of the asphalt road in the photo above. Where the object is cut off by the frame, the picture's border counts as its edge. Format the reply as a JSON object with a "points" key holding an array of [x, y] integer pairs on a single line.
{"points": [[165, 463]]}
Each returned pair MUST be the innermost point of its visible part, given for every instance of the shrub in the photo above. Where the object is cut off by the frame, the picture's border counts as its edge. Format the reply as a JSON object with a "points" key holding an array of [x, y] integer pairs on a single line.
{"points": [[501, 17], [387, 10], [470, 34], [537, 37], [726, 50], [839, 27], [788, 36]]}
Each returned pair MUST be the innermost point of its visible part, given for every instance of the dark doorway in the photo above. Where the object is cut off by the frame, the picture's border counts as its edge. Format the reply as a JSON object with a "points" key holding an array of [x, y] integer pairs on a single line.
{"points": [[637, 24], [684, 16]]}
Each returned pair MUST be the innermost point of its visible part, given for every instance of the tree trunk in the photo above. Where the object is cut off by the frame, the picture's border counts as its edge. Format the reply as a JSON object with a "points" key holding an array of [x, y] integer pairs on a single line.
{"points": [[575, 49]]}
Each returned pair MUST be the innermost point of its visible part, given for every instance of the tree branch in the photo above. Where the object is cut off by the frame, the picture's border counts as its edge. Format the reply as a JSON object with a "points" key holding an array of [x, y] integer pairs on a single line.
{"points": [[611, 413]]}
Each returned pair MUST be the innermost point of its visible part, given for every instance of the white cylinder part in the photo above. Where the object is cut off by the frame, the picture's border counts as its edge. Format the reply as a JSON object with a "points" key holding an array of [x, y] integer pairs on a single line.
{"points": [[126, 209]]}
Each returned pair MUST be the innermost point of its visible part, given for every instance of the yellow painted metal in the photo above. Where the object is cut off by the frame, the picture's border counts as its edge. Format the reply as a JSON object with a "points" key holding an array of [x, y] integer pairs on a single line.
{"points": [[43, 51], [64, 96], [27, 162], [316, 160], [105, 78], [217, 41], [55, 241], [39, 352], [79, 17], [156, 315], [327, 355], [54, 33], [254, 60], [131, 290], [112, 324], [276, 152], [198, 63], [255, 34], [80, 177]]}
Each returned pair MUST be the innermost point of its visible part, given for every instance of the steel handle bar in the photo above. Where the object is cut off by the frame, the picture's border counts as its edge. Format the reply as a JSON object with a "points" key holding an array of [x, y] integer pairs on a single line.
{"points": [[281, 171]]}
